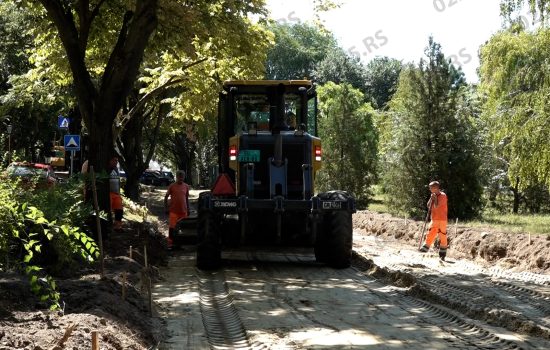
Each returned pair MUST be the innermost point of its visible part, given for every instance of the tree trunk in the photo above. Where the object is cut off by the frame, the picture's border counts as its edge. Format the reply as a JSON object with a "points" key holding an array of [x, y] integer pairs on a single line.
{"points": [[100, 104], [184, 154], [131, 149], [517, 197], [100, 152]]}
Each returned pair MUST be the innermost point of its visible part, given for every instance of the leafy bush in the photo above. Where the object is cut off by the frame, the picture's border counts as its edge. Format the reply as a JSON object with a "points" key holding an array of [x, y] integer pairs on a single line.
{"points": [[41, 234]]}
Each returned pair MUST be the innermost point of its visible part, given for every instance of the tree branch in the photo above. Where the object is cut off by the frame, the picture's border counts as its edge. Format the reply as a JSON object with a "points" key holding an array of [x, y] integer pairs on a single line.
{"points": [[63, 20], [95, 10], [155, 92], [153, 142], [126, 58]]}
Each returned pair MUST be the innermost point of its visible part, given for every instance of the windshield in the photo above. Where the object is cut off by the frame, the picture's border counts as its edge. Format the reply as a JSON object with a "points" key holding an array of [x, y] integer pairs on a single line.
{"points": [[252, 108], [256, 108]]}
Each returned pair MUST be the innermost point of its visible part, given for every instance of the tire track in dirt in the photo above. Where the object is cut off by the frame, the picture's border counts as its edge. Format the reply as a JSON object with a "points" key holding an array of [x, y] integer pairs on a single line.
{"points": [[316, 312], [467, 332], [220, 318], [223, 325], [470, 287], [462, 333], [535, 300], [433, 290], [470, 333]]}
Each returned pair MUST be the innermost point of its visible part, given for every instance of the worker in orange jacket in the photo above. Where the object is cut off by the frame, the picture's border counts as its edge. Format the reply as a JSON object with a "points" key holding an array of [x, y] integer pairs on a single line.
{"points": [[178, 206], [438, 225]]}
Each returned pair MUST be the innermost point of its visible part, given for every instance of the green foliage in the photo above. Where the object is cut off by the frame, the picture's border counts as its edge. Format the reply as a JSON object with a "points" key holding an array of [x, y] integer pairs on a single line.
{"points": [[433, 138], [297, 50], [349, 141], [381, 79], [36, 243], [339, 67], [509, 8], [514, 76], [15, 41]]}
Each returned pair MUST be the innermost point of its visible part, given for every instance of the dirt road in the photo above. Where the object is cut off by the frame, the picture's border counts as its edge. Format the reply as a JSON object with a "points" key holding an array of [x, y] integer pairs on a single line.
{"points": [[393, 297], [400, 299]]}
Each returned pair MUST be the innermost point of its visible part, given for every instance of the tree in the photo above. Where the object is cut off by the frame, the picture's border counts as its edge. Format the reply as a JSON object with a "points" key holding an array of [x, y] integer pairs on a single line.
{"points": [[434, 139], [14, 44], [105, 43], [513, 77], [339, 67], [540, 8], [349, 141], [297, 51], [381, 79], [30, 112]]}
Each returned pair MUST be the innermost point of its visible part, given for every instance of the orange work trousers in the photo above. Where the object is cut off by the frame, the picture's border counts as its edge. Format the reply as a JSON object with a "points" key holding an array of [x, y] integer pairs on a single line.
{"points": [[437, 227], [173, 218]]}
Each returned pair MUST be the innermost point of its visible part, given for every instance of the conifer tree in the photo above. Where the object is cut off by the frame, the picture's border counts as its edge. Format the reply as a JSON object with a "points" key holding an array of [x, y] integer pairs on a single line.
{"points": [[434, 139]]}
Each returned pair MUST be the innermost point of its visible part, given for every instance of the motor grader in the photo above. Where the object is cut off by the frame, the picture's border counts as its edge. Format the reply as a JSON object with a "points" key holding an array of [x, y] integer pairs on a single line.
{"points": [[268, 158]]}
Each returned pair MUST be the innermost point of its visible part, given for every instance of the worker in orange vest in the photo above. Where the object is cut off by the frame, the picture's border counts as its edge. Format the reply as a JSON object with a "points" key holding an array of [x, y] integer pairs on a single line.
{"points": [[178, 207], [438, 225]]}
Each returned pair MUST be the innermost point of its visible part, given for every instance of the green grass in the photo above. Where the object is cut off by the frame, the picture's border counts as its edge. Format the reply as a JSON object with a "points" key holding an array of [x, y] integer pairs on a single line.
{"points": [[378, 203], [515, 223]]}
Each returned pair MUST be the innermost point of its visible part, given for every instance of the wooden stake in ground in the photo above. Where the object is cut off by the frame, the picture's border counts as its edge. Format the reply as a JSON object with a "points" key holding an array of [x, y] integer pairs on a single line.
{"points": [[147, 281], [130, 255], [61, 342], [98, 222], [145, 255], [95, 340]]}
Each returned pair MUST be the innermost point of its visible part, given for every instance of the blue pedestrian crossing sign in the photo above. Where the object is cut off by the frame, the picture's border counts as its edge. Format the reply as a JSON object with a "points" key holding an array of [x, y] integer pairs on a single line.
{"points": [[62, 122], [72, 142]]}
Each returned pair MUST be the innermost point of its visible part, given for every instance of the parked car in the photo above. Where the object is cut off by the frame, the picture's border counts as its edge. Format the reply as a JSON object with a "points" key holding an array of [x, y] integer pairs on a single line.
{"points": [[167, 174], [41, 175], [153, 178]]}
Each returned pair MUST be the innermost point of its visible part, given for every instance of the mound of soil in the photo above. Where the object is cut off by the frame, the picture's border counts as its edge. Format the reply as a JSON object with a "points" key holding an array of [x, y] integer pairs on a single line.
{"points": [[487, 246], [90, 303]]}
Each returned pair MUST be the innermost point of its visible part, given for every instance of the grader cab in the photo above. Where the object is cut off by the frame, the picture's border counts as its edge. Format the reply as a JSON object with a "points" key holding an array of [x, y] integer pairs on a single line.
{"points": [[268, 157]]}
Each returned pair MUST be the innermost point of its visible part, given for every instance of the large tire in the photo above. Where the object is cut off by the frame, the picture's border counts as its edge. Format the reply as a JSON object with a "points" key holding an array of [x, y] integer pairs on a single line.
{"points": [[209, 255], [321, 245], [334, 241]]}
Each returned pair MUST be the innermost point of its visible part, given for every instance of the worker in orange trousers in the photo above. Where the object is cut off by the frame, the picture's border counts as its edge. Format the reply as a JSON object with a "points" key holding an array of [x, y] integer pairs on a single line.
{"points": [[178, 206], [438, 225]]}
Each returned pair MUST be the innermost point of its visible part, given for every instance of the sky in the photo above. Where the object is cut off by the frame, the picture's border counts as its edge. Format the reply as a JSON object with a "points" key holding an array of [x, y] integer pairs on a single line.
{"points": [[400, 28]]}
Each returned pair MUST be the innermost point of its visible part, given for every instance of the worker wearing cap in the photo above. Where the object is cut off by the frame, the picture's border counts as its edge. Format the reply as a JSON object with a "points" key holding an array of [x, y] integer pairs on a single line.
{"points": [[438, 226], [178, 206]]}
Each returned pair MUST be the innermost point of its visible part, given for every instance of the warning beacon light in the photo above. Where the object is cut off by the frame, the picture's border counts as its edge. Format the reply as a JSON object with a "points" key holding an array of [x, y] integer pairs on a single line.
{"points": [[318, 153], [233, 152]]}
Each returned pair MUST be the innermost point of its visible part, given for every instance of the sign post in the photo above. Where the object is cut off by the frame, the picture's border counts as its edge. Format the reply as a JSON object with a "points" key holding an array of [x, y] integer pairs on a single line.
{"points": [[72, 143]]}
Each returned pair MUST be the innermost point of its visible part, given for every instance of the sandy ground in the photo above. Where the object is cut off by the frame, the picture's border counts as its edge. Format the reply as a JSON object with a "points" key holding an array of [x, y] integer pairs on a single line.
{"points": [[493, 292], [393, 297]]}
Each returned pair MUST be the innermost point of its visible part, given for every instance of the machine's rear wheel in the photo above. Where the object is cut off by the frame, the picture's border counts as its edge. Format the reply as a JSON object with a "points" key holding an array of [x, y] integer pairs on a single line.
{"points": [[334, 240], [208, 245]]}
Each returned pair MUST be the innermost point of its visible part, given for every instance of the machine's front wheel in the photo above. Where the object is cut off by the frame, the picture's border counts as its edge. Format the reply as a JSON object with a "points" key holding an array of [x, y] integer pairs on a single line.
{"points": [[208, 241], [334, 240]]}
